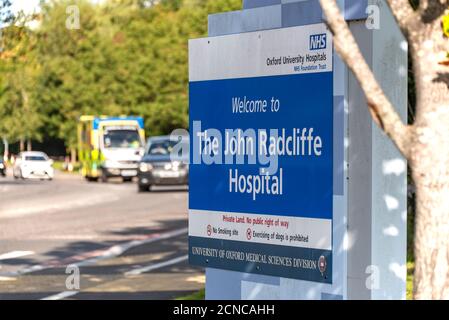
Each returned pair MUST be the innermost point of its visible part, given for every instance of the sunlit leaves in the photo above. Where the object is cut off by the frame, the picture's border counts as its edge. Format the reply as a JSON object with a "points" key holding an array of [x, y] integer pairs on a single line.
{"points": [[128, 57], [445, 23]]}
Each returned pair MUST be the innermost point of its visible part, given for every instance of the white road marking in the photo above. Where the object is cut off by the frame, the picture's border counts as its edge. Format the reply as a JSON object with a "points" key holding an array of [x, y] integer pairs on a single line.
{"points": [[4, 279], [34, 268], [156, 266], [112, 252], [14, 211], [67, 237], [120, 249], [61, 295], [135, 272], [15, 255]]}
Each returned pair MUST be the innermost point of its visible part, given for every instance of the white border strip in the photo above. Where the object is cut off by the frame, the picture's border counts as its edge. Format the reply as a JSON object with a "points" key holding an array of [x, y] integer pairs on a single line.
{"points": [[301, 232], [246, 55]]}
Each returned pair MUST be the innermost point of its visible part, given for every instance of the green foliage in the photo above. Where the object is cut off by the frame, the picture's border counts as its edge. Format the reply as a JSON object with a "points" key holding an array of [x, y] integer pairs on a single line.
{"points": [[19, 113], [128, 57], [409, 283], [200, 295], [73, 78]]}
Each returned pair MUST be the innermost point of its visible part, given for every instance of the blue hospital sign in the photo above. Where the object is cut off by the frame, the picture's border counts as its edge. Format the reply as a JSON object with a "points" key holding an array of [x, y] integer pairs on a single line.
{"points": [[261, 130]]}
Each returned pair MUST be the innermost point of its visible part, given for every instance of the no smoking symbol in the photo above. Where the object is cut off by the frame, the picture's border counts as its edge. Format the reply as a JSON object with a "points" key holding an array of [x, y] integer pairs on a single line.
{"points": [[209, 230], [248, 234]]}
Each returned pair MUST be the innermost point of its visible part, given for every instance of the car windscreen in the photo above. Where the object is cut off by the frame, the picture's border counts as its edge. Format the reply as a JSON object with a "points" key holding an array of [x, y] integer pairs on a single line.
{"points": [[122, 139], [160, 147], [35, 158]]}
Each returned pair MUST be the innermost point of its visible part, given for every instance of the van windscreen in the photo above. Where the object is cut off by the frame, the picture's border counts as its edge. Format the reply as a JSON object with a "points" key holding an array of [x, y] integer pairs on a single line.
{"points": [[122, 139]]}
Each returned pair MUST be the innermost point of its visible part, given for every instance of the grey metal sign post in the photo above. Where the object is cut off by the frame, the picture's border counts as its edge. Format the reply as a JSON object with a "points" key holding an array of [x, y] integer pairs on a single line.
{"points": [[369, 175]]}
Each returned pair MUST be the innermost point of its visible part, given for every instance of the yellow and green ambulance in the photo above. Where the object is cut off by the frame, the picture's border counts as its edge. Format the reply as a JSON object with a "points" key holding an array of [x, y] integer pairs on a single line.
{"points": [[110, 146]]}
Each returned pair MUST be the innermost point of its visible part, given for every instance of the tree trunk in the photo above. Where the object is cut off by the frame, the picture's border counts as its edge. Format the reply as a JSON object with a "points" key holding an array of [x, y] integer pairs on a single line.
{"points": [[426, 142], [430, 165], [6, 148], [22, 145], [432, 229], [29, 145], [73, 155]]}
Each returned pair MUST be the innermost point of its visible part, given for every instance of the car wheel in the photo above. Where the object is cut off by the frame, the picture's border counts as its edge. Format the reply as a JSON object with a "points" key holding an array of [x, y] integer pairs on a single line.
{"points": [[143, 188], [103, 177], [91, 179]]}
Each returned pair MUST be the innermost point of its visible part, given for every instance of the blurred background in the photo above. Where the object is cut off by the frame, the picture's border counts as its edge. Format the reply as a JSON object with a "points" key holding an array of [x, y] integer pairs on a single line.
{"points": [[89, 92], [122, 57]]}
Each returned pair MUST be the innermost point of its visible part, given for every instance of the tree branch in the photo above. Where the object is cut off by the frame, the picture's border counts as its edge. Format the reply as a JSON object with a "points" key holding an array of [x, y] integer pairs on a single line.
{"points": [[432, 10], [381, 109], [407, 19]]}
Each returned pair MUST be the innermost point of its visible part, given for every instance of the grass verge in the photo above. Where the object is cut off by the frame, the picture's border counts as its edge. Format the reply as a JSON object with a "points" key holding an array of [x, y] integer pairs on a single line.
{"points": [[200, 295], [410, 270], [59, 165]]}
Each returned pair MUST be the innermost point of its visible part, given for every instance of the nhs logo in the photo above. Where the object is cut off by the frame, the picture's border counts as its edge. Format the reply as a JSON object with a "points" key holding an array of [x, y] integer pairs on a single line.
{"points": [[317, 41]]}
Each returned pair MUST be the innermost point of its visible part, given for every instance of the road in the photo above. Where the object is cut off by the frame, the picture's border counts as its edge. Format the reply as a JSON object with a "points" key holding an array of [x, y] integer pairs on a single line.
{"points": [[124, 244]]}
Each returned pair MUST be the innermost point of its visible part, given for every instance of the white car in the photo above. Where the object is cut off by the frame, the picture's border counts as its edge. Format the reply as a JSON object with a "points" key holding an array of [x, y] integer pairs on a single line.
{"points": [[33, 164]]}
